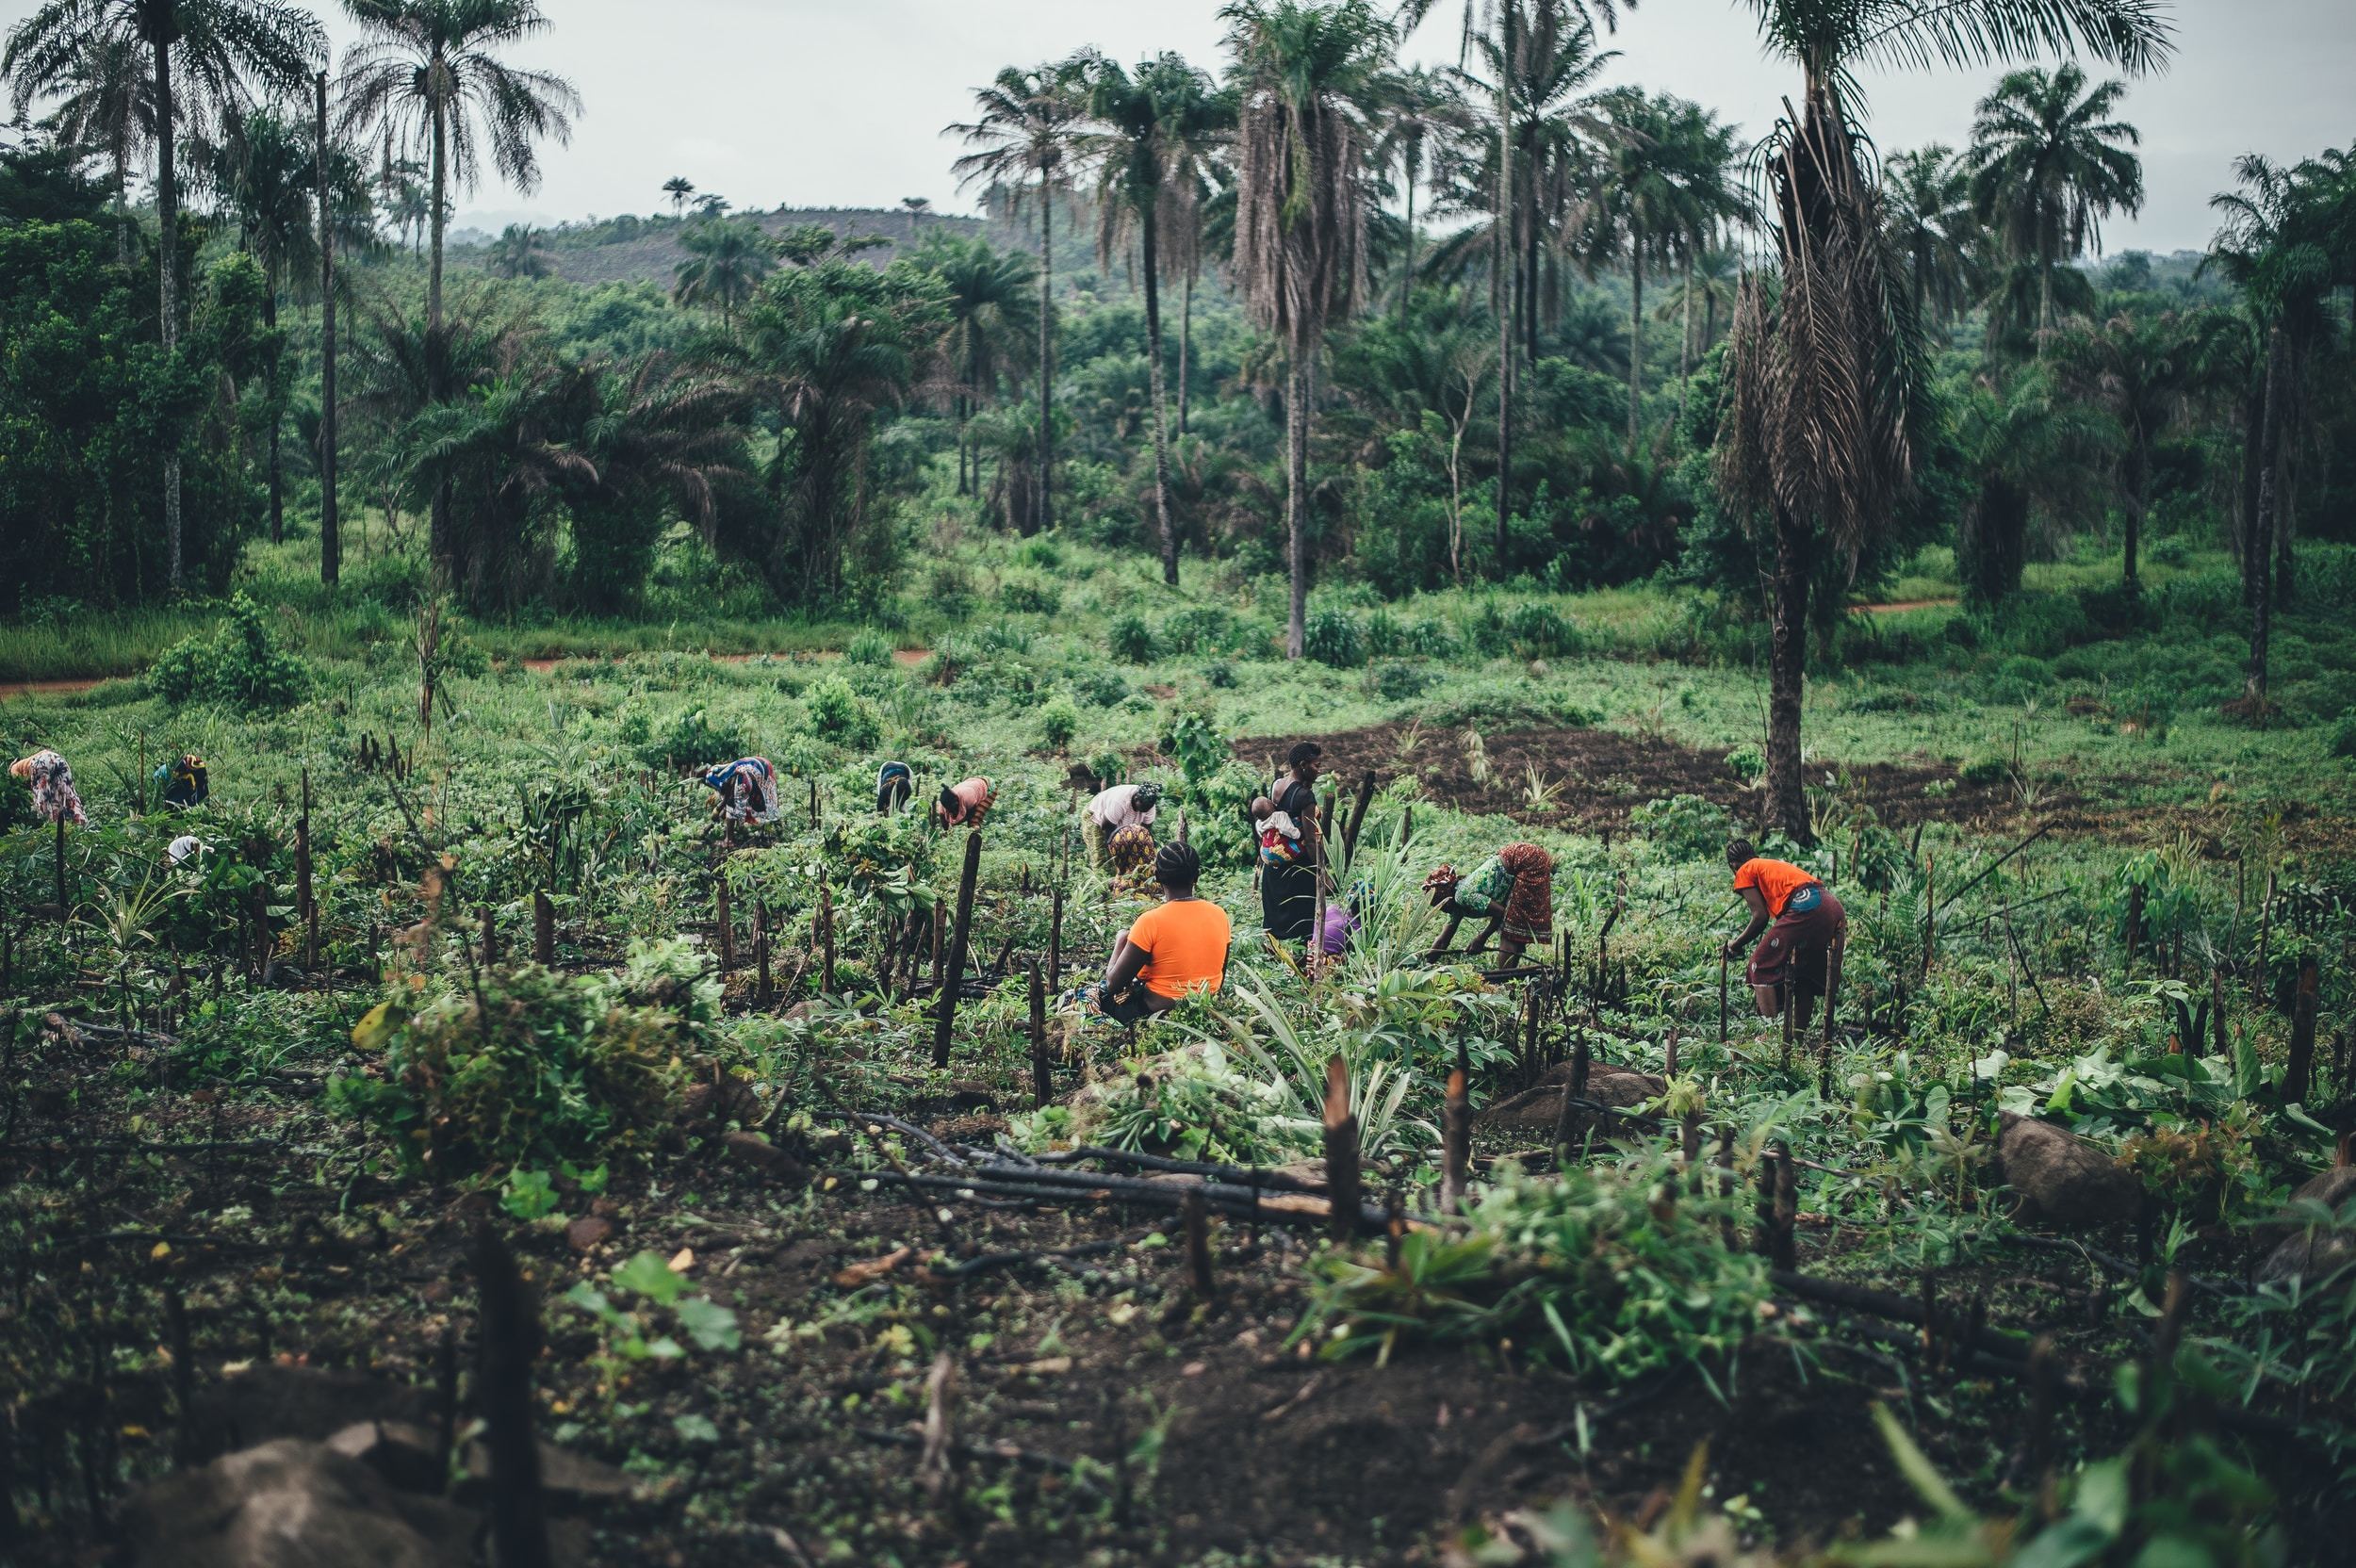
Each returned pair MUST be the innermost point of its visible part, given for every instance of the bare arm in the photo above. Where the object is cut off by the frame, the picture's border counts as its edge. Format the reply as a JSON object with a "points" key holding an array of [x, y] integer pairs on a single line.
{"points": [[1129, 961], [1757, 901]]}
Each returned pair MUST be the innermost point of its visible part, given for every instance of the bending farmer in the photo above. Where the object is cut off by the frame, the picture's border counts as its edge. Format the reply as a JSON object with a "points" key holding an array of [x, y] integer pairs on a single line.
{"points": [[1177, 947], [965, 803], [1512, 890], [1807, 930], [1123, 807]]}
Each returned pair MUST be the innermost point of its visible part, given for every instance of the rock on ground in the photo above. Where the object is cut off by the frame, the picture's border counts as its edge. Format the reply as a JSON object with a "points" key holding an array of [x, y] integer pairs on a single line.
{"points": [[2062, 1179], [271, 1401], [2311, 1254], [290, 1504]]}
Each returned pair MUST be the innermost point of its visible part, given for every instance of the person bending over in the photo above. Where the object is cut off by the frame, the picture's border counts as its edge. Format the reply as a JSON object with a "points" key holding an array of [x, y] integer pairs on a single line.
{"points": [[1115, 811], [1512, 890], [965, 803], [1176, 948], [894, 783], [1289, 892], [1808, 930]]}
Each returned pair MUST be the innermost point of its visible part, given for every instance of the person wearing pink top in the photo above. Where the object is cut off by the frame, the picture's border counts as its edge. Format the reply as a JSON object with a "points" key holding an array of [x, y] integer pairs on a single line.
{"points": [[964, 803]]}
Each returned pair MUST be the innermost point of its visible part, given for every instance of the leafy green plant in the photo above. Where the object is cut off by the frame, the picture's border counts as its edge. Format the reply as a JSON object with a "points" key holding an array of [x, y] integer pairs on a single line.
{"points": [[1058, 722], [869, 648], [1130, 639], [656, 1295], [1030, 595], [840, 715], [1335, 637], [238, 664], [1685, 826], [692, 740]]}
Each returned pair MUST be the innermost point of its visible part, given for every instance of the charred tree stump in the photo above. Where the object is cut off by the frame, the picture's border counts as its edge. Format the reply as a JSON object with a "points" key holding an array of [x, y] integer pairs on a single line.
{"points": [[2299, 1066], [1042, 1069], [1722, 962], [1055, 939], [724, 917], [1197, 1230], [945, 1018], [543, 930], [826, 938], [763, 997], [1357, 818], [510, 1342], [1456, 1134], [60, 869], [1341, 1152]]}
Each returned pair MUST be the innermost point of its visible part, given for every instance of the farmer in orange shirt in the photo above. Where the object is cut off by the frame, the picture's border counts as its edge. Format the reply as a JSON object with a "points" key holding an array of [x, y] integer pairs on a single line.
{"points": [[1177, 947], [1807, 930]]}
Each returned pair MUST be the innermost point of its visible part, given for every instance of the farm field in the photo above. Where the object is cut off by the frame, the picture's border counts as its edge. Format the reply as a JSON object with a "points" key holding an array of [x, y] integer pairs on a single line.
{"points": [[1237, 784]]}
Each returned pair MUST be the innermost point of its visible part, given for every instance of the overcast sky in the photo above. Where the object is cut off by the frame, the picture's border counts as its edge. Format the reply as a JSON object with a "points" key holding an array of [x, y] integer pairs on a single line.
{"points": [[820, 103]]}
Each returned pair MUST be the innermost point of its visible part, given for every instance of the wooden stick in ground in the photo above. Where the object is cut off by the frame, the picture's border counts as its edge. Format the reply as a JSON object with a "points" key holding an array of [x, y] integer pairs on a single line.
{"points": [[2258, 987], [1055, 939], [826, 938], [763, 994], [490, 938], [939, 945], [1357, 818], [1341, 1150], [543, 929], [60, 863], [1930, 911], [933, 1465], [2300, 1064], [1832, 1000], [1197, 1220], [2218, 1042], [725, 915], [944, 1019], [1786, 1254], [510, 1342], [1456, 1134], [1042, 1069], [303, 903], [1722, 998]]}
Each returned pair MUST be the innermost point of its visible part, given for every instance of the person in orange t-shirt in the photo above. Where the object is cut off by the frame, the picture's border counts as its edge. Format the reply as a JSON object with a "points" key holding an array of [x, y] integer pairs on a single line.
{"points": [[1807, 930], [1176, 948]]}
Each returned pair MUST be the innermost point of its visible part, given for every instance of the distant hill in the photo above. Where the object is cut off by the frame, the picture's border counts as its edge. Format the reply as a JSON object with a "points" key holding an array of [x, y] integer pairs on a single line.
{"points": [[631, 249]]}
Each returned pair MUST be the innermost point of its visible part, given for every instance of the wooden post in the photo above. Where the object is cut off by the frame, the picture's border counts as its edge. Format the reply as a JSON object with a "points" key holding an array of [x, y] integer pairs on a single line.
{"points": [[945, 1018], [1357, 818], [813, 801], [1341, 1152], [2258, 987], [2135, 924], [1042, 1069], [2299, 1066], [543, 930], [1722, 998], [303, 903], [511, 1340], [2219, 1044], [61, 906], [826, 938], [1055, 939], [723, 916], [1669, 1054], [490, 939], [1197, 1229], [1406, 825], [1930, 911], [939, 953], [763, 996], [1456, 1134], [1790, 1011], [1832, 998]]}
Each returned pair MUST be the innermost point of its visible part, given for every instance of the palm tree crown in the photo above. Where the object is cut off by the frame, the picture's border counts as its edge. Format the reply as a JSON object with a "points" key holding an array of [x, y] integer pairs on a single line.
{"points": [[2048, 163]]}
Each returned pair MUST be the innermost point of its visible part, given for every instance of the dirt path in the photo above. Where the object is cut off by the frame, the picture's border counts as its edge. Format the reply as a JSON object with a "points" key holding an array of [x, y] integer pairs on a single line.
{"points": [[1893, 609], [10, 690]]}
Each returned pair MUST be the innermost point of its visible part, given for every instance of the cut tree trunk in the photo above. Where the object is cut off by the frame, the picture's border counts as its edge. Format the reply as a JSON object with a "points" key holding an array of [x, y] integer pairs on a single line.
{"points": [[1161, 409], [1787, 799]]}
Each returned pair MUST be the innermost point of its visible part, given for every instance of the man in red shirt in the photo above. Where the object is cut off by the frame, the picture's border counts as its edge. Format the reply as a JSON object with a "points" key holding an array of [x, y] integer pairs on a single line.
{"points": [[1807, 930]]}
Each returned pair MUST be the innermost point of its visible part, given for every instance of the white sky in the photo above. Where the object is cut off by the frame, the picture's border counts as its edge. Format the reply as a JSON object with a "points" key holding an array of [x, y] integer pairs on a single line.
{"points": [[819, 102]]}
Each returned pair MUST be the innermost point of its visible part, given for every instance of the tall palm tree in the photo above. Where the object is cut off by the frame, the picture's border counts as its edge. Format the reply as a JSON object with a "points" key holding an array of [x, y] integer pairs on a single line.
{"points": [[1825, 380], [105, 98], [678, 187], [727, 260], [1025, 130], [1421, 109], [2144, 373], [430, 72], [1926, 197], [1311, 78], [2049, 162], [992, 314], [220, 49], [1143, 129]]}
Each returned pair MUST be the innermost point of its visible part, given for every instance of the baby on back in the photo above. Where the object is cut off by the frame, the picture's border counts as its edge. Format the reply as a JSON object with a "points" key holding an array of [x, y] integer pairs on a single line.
{"points": [[1279, 834]]}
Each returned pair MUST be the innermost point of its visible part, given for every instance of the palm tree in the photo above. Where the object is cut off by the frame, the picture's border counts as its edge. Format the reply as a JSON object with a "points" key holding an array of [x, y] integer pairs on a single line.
{"points": [[1825, 402], [678, 187], [2048, 165], [1421, 109], [728, 257], [518, 253], [105, 99], [663, 440], [1142, 131], [2025, 445], [1311, 78], [2144, 373], [1926, 196], [215, 46], [430, 72], [992, 314], [1025, 130]]}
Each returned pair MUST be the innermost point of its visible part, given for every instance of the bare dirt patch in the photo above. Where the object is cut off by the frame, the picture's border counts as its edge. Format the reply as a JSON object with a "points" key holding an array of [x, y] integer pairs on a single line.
{"points": [[1602, 775]]}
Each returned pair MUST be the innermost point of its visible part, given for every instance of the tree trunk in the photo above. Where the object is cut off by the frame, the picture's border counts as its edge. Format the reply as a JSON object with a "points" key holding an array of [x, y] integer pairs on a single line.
{"points": [[1185, 346], [1501, 282], [331, 535], [1529, 307], [1297, 497], [1685, 334], [1043, 505], [1407, 268], [277, 415], [2252, 464], [2262, 611], [1787, 799], [1635, 335], [167, 230], [440, 547], [2137, 468], [2289, 426], [1150, 241]]}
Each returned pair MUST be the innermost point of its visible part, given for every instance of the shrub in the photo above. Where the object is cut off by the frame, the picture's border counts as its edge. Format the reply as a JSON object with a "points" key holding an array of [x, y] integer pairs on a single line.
{"points": [[1981, 771], [1204, 629], [534, 1066], [1058, 722], [1102, 688], [950, 587], [1042, 553], [2344, 737], [1030, 595], [870, 647], [1335, 637], [1686, 826], [691, 740], [839, 715], [1539, 631], [1746, 762], [239, 663], [1395, 682], [1109, 766], [1130, 639], [1221, 675]]}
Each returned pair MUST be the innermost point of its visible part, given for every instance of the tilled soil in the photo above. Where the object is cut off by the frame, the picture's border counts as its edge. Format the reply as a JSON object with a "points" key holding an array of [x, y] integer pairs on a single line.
{"points": [[1597, 777]]}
